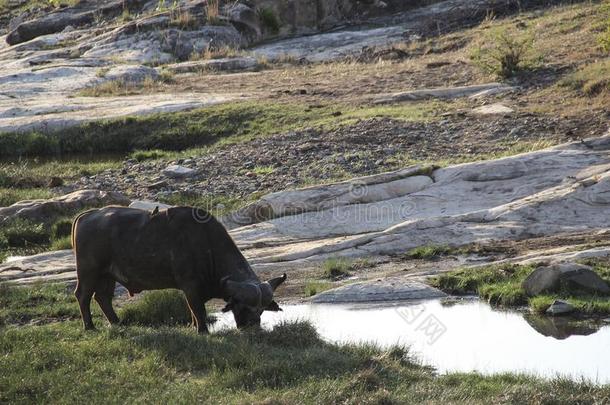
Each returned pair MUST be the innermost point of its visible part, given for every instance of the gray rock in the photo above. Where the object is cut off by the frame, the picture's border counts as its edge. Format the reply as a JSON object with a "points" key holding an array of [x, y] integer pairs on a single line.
{"points": [[246, 20], [177, 172], [390, 289], [47, 210], [574, 277], [560, 308], [224, 64], [130, 73]]}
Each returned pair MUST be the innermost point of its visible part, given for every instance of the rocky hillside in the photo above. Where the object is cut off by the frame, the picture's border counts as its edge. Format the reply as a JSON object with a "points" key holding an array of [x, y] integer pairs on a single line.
{"points": [[449, 123]]}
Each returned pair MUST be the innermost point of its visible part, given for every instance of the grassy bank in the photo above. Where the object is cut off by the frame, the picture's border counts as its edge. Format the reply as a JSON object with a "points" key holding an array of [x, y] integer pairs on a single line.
{"points": [[225, 123], [501, 285], [58, 362]]}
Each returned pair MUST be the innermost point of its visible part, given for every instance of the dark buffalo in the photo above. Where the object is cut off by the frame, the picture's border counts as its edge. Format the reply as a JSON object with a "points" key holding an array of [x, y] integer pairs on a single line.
{"points": [[183, 248]]}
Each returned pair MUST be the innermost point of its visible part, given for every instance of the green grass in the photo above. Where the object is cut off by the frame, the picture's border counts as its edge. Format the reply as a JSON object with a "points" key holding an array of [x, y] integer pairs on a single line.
{"points": [[501, 285], [428, 252], [219, 124], [40, 302], [337, 268], [263, 170], [9, 196], [142, 155], [33, 174], [156, 308], [315, 287], [58, 362], [591, 80], [24, 237]]}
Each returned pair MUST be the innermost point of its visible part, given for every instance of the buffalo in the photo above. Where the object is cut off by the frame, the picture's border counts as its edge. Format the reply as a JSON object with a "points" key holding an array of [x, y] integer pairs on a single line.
{"points": [[183, 248]]}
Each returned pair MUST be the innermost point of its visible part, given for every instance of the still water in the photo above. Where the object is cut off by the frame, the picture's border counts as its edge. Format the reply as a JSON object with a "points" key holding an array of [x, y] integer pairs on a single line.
{"points": [[464, 336]]}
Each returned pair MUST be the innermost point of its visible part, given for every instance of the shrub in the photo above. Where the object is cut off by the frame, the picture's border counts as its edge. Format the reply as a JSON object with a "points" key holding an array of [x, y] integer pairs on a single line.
{"points": [[21, 233], [314, 287], [269, 19], [428, 252], [61, 243], [505, 53], [61, 228], [336, 268]]}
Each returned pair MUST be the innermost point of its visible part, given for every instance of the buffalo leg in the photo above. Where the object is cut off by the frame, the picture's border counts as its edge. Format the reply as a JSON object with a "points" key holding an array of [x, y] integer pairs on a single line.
{"points": [[104, 292], [84, 293], [197, 307]]}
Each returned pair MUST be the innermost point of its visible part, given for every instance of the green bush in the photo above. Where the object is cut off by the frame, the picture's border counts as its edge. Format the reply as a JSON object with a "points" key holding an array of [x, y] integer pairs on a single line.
{"points": [[337, 268], [428, 252], [21, 233], [61, 243], [505, 53], [61, 228], [269, 19]]}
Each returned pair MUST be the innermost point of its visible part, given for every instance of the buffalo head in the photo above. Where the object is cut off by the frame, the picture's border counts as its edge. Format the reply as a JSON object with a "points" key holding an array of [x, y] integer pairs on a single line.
{"points": [[247, 300]]}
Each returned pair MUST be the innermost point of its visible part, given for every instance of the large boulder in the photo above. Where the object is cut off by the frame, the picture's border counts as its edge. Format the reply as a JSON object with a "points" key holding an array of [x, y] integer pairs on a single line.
{"points": [[47, 210], [246, 20], [575, 278]]}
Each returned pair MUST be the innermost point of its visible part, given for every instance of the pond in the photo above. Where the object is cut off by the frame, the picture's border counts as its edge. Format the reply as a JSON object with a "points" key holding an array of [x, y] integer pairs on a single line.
{"points": [[463, 336]]}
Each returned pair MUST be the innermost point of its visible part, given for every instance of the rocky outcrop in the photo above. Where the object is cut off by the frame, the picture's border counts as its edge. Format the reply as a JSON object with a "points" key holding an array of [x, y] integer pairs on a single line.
{"points": [[571, 277], [556, 191], [46, 210], [445, 93], [380, 290]]}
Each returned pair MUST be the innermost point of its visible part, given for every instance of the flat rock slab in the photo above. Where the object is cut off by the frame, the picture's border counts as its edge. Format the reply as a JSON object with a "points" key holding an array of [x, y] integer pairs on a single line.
{"points": [[224, 64], [48, 266], [391, 289], [476, 90], [493, 109], [57, 111]]}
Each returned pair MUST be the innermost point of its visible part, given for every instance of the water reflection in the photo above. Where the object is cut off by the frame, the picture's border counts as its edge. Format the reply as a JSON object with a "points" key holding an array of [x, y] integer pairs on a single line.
{"points": [[463, 337]]}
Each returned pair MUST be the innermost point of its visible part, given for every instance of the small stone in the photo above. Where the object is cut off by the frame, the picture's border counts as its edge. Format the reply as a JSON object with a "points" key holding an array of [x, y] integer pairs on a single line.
{"points": [[560, 308], [250, 174], [176, 171]]}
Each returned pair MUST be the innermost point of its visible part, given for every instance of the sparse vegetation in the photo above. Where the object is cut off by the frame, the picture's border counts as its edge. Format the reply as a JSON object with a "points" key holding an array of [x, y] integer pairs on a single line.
{"points": [[268, 19], [505, 53], [142, 155], [263, 170], [336, 268], [220, 124], [315, 287], [123, 88], [428, 252], [212, 11], [591, 80]]}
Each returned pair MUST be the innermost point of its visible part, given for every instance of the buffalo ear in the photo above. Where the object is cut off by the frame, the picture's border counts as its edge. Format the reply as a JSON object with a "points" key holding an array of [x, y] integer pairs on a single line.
{"points": [[228, 307], [273, 306], [275, 282]]}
